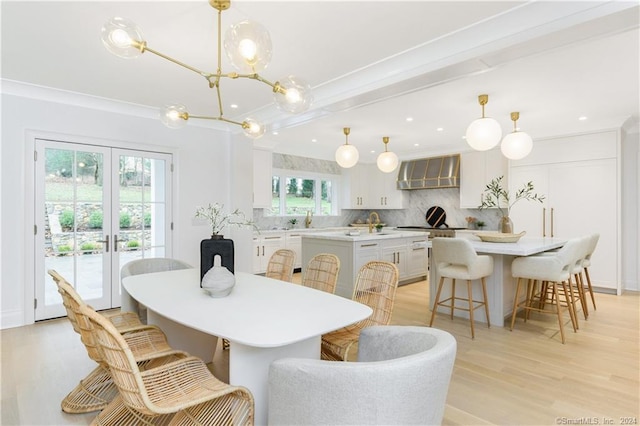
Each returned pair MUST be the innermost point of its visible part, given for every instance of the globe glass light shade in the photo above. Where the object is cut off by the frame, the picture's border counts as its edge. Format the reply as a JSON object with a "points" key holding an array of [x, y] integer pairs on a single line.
{"points": [[483, 134], [387, 161], [516, 145], [248, 47], [174, 116], [253, 128], [122, 38], [297, 97], [347, 156]]}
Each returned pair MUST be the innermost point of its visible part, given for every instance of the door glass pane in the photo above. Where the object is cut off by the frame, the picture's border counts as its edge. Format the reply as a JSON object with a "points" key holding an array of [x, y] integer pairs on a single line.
{"points": [[142, 222], [300, 196], [73, 221]]}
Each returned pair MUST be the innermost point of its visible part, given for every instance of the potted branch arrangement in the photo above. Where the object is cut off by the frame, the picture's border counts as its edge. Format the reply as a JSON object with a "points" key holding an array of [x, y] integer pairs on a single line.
{"points": [[496, 196]]}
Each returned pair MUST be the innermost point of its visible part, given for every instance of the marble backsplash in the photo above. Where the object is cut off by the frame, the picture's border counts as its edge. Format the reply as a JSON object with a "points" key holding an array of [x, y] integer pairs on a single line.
{"points": [[419, 201]]}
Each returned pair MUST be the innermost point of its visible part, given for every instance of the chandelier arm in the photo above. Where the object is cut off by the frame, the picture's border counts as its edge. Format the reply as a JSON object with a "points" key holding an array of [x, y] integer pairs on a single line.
{"points": [[220, 118], [219, 97], [182, 64]]}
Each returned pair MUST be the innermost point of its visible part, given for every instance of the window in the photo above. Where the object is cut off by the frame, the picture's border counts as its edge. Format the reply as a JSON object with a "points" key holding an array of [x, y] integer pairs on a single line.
{"points": [[295, 193]]}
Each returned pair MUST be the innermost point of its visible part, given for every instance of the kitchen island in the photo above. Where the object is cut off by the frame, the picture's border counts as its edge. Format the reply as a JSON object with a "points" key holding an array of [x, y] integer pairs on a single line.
{"points": [[500, 284], [406, 249]]}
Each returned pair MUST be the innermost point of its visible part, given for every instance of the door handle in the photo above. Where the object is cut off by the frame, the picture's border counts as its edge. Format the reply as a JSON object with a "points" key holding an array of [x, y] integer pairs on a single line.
{"points": [[544, 222], [106, 243], [115, 242], [551, 222]]}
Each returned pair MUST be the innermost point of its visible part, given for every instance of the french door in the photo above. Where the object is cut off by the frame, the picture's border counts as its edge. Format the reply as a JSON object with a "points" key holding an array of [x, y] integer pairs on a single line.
{"points": [[97, 208]]}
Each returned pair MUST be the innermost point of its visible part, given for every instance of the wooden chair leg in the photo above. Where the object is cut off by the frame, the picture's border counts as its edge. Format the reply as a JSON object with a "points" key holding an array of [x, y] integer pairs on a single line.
{"points": [[453, 295], [437, 300], [581, 295], [571, 305], [470, 292], [486, 300], [515, 304], [558, 310], [593, 299]]}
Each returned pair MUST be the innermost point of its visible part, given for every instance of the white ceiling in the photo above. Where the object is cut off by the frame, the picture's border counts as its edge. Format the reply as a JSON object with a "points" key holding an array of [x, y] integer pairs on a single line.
{"points": [[372, 64]]}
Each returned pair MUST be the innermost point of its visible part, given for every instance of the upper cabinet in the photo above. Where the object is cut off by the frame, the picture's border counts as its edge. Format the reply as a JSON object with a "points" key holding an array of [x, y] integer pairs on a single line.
{"points": [[477, 169], [366, 187], [262, 175]]}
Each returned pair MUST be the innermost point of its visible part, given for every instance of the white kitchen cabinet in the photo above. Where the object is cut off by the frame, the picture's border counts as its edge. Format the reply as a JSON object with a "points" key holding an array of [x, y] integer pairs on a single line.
{"points": [[366, 187], [579, 178], [293, 241], [396, 252], [477, 169], [263, 247], [365, 251], [417, 263], [355, 193], [262, 176], [384, 191]]}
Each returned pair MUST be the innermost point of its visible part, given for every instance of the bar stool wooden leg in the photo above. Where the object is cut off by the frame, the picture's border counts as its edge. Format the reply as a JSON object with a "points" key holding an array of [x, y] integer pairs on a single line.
{"points": [[471, 309], [437, 301], [453, 295], [558, 310], [593, 299], [515, 304], [486, 300]]}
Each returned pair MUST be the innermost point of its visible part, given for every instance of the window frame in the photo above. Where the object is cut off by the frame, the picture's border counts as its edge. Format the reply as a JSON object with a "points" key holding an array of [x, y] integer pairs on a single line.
{"points": [[284, 174]]}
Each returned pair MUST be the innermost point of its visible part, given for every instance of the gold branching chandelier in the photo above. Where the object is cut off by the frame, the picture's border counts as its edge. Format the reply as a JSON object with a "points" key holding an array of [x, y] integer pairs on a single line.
{"points": [[248, 47]]}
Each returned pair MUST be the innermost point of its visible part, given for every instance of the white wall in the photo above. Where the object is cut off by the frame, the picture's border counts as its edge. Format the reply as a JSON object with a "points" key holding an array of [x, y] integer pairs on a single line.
{"points": [[203, 174], [630, 160]]}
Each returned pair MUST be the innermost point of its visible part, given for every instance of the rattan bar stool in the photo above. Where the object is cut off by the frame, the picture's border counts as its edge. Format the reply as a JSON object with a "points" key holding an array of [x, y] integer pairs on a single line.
{"points": [[376, 286], [321, 272], [554, 272], [456, 259]]}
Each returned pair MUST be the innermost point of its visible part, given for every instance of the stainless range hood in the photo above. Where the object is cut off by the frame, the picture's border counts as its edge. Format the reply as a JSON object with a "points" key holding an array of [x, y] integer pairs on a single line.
{"points": [[430, 173]]}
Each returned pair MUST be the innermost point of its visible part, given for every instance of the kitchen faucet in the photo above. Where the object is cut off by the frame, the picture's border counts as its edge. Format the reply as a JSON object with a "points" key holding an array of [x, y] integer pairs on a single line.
{"points": [[371, 224], [307, 221]]}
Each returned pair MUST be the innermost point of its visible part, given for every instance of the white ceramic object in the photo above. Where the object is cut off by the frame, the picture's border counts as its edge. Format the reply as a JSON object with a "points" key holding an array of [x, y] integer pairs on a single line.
{"points": [[499, 237], [218, 281]]}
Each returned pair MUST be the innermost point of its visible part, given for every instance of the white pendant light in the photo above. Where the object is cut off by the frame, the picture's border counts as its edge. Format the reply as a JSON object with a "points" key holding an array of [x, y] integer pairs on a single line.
{"points": [[387, 161], [347, 155], [516, 145], [483, 133]]}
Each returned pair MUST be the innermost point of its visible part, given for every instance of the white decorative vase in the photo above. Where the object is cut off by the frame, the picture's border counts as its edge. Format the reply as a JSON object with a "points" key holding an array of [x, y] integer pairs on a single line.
{"points": [[218, 281]]}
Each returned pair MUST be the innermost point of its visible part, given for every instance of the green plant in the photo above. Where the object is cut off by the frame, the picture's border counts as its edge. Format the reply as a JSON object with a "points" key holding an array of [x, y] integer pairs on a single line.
{"points": [[64, 249], [88, 246], [66, 219], [125, 220], [496, 196], [133, 244], [379, 226], [293, 221], [480, 224], [219, 220], [95, 220], [147, 220]]}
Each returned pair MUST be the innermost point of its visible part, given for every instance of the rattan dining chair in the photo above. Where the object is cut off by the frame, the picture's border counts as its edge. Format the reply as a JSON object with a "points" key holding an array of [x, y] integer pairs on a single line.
{"points": [[146, 266], [321, 272], [376, 285], [280, 266], [147, 343], [185, 388]]}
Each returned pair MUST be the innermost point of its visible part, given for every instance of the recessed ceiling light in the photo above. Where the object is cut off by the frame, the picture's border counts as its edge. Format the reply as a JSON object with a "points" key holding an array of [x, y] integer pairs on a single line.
{"points": [[464, 136], [416, 144], [314, 140], [373, 151], [582, 118], [440, 129], [234, 106], [409, 118], [275, 132]]}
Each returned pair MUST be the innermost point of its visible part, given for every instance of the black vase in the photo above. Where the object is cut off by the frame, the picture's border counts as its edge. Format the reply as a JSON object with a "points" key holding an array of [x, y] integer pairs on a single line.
{"points": [[217, 245]]}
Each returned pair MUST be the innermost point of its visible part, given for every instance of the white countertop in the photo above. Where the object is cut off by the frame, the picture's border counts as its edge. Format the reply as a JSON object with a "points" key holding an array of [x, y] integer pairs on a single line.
{"points": [[365, 235], [526, 246]]}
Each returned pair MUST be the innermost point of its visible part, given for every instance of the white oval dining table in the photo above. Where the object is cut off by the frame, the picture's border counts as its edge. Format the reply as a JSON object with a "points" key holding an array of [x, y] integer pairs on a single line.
{"points": [[263, 319]]}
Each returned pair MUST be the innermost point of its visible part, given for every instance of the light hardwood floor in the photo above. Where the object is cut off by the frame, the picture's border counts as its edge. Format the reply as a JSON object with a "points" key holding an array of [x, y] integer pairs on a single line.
{"points": [[509, 378]]}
